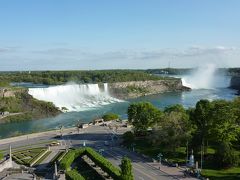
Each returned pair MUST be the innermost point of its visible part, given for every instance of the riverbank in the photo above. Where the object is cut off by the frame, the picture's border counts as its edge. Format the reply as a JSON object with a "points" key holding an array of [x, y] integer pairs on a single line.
{"points": [[17, 105]]}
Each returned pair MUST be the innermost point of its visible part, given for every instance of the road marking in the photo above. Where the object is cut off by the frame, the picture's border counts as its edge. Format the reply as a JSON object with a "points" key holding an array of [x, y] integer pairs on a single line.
{"points": [[141, 172]]}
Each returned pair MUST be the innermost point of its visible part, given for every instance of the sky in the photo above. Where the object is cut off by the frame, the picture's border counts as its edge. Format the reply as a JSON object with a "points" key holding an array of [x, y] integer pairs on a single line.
{"points": [[118, 34]]}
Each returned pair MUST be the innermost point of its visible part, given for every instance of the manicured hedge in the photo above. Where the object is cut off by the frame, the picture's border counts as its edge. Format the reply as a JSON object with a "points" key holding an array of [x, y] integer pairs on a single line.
{"points": [[106, 166], [102, 162], [67, 160], [74, 175]]}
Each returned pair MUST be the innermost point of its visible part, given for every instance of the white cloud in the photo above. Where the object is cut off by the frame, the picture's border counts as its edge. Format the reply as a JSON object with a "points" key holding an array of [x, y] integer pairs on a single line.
{"points": [[76, 58]]}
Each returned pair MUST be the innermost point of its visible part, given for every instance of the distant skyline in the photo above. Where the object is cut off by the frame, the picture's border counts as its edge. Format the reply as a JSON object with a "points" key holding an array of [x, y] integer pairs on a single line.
{"points": [[124, 34]]}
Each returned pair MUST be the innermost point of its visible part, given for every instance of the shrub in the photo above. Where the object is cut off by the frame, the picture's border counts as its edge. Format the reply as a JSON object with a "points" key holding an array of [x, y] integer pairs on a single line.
{"points": [[225, 156], [1, 156], [126, 169], [74, 175], [103, 163], [110, 116], [67, 160]]}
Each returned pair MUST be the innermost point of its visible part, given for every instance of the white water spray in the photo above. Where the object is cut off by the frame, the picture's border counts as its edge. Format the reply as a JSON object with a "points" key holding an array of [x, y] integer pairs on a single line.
{"points": [[75, 97], [206, 77]]}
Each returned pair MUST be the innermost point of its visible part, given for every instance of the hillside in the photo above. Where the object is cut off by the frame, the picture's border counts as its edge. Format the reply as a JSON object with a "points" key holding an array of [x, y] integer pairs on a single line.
{"points": [[17, 105]]}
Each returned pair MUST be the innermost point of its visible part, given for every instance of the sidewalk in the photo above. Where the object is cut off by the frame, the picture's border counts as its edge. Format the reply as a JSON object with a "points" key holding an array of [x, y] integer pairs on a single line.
{"points": [[177, 173]]}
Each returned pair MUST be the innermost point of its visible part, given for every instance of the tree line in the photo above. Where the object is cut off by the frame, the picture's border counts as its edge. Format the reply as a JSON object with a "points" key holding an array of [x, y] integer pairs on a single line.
{"points": [[61, 77], [213, 124]]}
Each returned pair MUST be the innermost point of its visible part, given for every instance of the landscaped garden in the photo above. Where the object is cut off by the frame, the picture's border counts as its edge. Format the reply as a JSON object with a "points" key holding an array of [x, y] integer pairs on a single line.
{"points": [[30, 157], [85, 163]]}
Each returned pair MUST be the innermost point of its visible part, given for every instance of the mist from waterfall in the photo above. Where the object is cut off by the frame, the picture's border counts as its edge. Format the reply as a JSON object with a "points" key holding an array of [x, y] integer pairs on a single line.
{"points": [[75, 97], [206, 77]]}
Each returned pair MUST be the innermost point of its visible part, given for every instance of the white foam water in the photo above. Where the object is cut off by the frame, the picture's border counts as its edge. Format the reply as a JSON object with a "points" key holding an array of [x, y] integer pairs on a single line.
{"points": [[206, 77], [75, 97]]}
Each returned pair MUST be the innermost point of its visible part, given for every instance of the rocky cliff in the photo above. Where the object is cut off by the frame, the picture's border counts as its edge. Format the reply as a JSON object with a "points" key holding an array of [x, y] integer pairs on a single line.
{"points": [[133, 89], [235, 83]]}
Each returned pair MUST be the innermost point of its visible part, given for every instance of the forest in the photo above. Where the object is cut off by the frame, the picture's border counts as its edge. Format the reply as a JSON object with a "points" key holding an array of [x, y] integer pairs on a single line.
{"points": [[61, 77]]}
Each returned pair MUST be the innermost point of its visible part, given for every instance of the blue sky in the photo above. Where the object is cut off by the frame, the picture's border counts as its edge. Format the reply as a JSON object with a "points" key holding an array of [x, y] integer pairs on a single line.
{"points": [[106, 34]]}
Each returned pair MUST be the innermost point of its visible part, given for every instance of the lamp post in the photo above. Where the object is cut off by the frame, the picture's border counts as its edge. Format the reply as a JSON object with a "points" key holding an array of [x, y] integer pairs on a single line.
{"points": [[160, 155], [101, 151], [61, 128], [133, 144], [187, 152]]}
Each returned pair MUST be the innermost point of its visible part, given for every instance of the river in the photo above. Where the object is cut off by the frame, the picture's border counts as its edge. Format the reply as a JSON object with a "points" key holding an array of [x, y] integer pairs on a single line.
{"points": [[69, 119]]}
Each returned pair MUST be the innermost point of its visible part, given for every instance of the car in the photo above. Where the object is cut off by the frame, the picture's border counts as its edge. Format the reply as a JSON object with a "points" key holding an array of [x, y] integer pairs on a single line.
{"points": [[55, 144]]}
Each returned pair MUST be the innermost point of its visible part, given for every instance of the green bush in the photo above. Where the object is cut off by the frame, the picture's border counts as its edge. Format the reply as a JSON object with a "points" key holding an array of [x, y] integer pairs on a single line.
{"points": [[1, 156], [103, 163], [67, 160], [126, 169], [74, 175], [110, 116], [94, 156], [225, 156]]}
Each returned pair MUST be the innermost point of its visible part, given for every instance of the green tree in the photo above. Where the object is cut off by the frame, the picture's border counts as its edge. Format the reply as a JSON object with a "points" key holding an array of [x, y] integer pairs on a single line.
{"points": [[174, 130], [225, 156], [201, 118], [236, 109], [110, 116], [128, 138], [175, 108], [143, 115], [126, 169], [225, 128]]}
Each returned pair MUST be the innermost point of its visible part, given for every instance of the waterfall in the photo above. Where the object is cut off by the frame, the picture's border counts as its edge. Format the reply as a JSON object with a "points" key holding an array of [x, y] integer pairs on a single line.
{"points": [[106, 87], [206, 77], [75, 97]]}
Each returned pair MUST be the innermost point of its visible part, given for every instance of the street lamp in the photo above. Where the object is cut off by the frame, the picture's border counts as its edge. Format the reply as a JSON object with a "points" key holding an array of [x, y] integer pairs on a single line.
{"points": [[160, 155], [133, 144], [187, 153], [61, 128], [101, 151]]}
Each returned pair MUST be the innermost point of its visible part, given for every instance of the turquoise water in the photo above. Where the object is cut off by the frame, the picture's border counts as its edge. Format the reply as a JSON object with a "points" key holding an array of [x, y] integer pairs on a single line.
{"points": [[187, 99]]}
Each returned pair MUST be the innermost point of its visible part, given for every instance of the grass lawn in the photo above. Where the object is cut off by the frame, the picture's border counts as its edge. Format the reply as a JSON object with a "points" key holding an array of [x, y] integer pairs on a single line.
{"points": [[142, 146], [224, 174], [27, 156]]}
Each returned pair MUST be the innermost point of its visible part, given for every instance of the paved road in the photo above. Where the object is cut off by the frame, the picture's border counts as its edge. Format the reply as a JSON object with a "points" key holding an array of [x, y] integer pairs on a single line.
{"points": [[94, 136], [142, 171]]}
